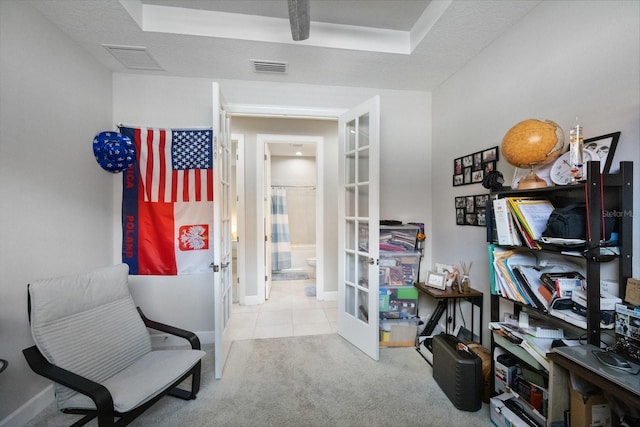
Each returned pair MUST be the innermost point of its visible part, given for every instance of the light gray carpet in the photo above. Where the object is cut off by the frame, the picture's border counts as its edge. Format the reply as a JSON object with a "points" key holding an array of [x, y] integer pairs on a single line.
{"points": [[319, 380]]}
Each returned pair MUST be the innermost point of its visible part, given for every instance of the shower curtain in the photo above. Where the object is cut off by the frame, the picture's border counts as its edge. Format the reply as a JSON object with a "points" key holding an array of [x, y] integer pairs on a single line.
{"points": [[280, 238]]}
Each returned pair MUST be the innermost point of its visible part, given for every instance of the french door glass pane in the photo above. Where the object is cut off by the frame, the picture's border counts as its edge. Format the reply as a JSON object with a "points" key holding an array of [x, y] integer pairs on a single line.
{"points": [[363, 271], [363, 131], [363, 300], [350, 137], [363, 237], [363, 201], [350, 202], [363, 165], [350, 237], [350, 300], [350, 164], [350, 268]]}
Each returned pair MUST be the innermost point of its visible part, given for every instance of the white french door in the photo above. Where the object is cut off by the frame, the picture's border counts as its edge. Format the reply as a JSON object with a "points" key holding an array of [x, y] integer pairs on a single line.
{"points": [[359, 167], [223, 269]]}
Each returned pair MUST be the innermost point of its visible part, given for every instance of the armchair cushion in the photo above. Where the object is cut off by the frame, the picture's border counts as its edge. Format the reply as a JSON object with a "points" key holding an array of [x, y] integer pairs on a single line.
{"points": [[142, 380]]}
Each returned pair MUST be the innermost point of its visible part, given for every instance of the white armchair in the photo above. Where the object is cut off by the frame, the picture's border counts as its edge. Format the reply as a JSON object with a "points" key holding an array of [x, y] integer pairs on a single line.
{"points": [[92, 341]]}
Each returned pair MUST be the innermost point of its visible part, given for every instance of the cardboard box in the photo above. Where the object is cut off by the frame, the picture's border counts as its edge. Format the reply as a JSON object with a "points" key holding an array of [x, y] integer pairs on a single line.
{"points": [[590, 410], [633, 291]]}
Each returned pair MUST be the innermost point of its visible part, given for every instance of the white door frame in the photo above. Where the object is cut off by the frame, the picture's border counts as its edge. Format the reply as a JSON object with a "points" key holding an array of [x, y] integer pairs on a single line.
{"points": [[240, 218], [261, 140]]}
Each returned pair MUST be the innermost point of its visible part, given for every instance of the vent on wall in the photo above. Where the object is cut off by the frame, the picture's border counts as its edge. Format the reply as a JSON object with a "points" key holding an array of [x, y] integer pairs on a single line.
{"points": [[261, 66], [133, 57]]}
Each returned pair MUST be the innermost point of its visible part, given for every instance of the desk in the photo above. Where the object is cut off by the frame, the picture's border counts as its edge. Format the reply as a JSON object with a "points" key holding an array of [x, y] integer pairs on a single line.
{"points": [[581, 361], [448, 295]]}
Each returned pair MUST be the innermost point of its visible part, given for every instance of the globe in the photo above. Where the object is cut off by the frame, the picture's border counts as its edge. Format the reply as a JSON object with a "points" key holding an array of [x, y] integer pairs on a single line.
{"points": [[533, 143]]}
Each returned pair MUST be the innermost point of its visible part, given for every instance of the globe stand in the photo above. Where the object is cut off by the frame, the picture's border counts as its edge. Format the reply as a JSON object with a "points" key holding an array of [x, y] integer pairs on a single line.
{"points": [[531, 181]]}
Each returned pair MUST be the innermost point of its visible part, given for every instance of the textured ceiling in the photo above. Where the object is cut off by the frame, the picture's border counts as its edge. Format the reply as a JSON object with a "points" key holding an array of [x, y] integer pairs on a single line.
{"points": [[455, 31]]}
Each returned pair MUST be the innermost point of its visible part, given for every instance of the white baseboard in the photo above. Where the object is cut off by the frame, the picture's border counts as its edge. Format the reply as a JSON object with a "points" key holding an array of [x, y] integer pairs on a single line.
{"points": [[30, 409], [330, 296]]}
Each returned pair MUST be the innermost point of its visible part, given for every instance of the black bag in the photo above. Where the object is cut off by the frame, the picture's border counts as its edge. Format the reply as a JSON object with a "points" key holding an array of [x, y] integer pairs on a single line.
{"points": [[569, 222]]}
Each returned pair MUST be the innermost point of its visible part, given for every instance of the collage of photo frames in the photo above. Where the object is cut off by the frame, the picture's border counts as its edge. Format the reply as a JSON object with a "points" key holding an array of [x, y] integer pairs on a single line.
{"points": [[472, 210], [471, 169]]}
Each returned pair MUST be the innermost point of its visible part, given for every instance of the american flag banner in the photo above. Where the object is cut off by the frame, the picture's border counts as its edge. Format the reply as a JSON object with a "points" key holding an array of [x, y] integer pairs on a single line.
{"points": [[167, 202]]}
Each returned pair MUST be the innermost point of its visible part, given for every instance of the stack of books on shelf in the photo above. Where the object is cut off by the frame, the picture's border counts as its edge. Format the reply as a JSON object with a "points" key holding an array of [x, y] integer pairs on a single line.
{"points": [[520, 221], [547, 282]]}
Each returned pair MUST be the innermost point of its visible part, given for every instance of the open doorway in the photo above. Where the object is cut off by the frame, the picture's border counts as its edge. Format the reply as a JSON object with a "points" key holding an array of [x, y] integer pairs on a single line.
{"points": [[292, 186], [291, 173], [324, 134]]}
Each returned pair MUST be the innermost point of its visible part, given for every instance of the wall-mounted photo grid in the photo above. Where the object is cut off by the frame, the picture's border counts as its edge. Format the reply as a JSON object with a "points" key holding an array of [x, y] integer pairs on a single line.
{"points": [[471, 169], [471, 210]]}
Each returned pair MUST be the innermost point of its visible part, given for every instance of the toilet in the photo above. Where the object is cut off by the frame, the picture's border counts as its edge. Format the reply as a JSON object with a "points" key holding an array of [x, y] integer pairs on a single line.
{"points": [[310, 291], [311, 261]]}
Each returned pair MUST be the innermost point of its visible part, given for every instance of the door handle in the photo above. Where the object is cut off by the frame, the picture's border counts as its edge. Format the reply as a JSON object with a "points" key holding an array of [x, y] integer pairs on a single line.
{"points": [[372, 261], [225, 264]]}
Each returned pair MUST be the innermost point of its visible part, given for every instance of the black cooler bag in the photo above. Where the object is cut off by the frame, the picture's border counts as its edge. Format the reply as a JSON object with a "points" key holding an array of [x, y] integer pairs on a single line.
{"points": [[457, 372]]}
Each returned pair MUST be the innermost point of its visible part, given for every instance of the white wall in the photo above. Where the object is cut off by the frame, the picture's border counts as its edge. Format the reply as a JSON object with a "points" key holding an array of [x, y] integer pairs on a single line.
{"points": [[298, 175], [166, 102], [55, 201], [564, 59]]}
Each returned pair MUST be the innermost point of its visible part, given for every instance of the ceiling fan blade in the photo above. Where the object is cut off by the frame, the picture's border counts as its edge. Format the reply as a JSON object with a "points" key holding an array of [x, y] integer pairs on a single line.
{"points": [[299, 18]]}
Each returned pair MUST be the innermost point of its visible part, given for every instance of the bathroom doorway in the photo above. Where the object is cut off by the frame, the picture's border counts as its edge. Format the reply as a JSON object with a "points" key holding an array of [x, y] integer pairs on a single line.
{"points": [[291, 194]]}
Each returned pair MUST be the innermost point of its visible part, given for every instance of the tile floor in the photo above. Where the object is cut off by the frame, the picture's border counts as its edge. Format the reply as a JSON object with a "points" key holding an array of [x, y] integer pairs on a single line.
{"points": [[288, 312]]}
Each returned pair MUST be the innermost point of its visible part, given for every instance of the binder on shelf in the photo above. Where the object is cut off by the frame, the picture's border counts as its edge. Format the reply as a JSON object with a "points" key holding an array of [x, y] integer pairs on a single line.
{"points": [[505, 226]]}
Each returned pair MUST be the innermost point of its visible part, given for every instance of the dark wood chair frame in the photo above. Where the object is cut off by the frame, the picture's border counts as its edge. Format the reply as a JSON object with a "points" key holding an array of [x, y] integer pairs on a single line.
{"points": [[100, 395]]}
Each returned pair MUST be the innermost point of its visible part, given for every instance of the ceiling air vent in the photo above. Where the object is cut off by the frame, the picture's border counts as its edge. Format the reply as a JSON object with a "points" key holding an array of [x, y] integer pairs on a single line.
{"points": [[260, 66], [133, 57]]}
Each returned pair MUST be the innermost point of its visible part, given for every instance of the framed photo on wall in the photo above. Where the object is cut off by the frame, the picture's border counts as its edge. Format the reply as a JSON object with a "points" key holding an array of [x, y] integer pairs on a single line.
{"points": [[472, 168], [471, 210], [605, 147]]}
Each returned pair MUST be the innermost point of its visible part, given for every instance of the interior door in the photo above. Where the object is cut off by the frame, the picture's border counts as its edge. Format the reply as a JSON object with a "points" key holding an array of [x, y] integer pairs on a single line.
{"points": [[222, 233], [359, 140], [267, 221]]}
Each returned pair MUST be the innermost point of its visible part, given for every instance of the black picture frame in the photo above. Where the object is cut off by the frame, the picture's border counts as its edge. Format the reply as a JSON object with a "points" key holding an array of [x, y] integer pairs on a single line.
{"points": [[471, 210], [491, 155], [457, 166], [472, 168], [467, 175], [467, 161], [477, 161], [605, 147], [489, 167]]}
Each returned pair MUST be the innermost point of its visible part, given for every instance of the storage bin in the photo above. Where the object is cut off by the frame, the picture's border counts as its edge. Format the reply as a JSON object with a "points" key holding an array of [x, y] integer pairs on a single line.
{"points": [[399, 237], [398, 333], [399, 268], [398, 302]]}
